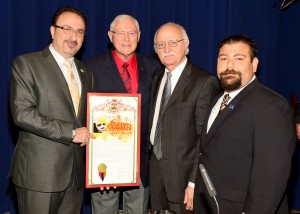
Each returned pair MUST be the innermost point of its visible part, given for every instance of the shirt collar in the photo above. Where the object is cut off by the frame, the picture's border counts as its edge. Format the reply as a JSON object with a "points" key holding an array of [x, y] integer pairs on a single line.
{"points": [[131, 62], [59, 58], [177, 71], [236, 92]]}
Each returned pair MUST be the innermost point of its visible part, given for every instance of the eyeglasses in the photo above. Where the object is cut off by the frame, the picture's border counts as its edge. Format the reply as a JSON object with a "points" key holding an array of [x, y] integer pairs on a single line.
{"points": [[171, 43], [69, 30], [122, 34]]}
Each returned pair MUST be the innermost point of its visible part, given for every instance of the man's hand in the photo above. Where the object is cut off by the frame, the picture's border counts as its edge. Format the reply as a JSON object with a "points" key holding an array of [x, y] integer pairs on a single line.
{"points": [[107, 188], [82, 136], [188, 198]]}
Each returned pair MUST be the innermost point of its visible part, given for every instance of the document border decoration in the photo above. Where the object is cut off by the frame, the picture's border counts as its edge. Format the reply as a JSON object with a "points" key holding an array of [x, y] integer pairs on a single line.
{"points": [[113, 157]]}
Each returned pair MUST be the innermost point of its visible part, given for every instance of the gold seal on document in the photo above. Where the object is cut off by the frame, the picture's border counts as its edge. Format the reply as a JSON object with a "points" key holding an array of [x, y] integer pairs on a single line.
{"points": [[102, 167]]}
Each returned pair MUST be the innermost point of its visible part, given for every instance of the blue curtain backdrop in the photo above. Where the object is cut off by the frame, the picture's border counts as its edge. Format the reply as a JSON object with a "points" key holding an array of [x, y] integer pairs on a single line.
{"points": [[25, 28]]}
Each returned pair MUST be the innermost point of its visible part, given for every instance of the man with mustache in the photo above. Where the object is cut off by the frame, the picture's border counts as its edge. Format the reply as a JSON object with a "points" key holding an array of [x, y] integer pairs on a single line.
{"points": [[48, 103], [248, 139], [180, 97]]}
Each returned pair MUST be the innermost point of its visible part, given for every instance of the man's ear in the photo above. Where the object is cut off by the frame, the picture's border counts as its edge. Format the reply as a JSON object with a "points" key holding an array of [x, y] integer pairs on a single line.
{"points": [[255, 64]]}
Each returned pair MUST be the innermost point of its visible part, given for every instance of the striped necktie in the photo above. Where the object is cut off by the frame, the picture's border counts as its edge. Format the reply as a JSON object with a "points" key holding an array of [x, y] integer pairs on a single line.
{"points": [[163, 103], [126, 77], [224, 103]]}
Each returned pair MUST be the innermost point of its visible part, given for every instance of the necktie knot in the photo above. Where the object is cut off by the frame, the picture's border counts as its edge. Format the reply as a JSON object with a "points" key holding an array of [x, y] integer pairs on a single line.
{"points": [[126, 77], [224, 103], [125, 65], [169, 75], [68, 64]]}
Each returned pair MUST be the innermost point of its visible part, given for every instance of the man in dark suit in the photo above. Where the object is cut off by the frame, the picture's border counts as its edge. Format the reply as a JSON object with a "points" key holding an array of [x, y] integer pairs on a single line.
{"points": [[49, 107], [248, 140], [109, 75], [176, 123]]}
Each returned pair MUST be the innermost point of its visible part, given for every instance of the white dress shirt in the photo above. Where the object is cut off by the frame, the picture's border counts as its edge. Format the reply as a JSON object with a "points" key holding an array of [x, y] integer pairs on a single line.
{"points": [[60, 61], [174, 79], [215, 110]]}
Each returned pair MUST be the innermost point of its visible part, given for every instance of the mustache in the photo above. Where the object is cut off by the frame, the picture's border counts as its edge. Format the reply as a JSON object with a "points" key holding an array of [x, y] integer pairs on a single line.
{"points": [[73, 42], [230, 71], [169, 54]]}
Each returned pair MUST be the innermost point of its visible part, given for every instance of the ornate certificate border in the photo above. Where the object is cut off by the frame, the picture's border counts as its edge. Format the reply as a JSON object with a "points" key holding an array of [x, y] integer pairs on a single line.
{"points": [[113, 158]]}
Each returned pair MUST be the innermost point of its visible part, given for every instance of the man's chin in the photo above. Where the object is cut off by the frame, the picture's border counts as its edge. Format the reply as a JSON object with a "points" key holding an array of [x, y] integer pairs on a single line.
{"points": [[231, 87], [231, 83]]}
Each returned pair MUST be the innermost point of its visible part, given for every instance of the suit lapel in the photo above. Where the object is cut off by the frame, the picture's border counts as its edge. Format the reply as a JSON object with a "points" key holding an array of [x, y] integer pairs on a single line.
{"points": [[113, 73], [84, 82], [142, 74], [204, 130], [57, 74], [232, 107], [154, 92], [217, 124], [183, 81]]}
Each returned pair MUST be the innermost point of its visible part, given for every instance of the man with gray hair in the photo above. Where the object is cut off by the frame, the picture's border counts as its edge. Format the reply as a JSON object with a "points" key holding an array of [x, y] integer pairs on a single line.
{"points": [[121, 70], [180, 97]]}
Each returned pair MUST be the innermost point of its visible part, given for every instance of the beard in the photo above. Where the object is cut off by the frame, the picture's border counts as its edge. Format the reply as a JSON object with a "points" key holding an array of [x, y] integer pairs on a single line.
{"points": [[230, 83]]}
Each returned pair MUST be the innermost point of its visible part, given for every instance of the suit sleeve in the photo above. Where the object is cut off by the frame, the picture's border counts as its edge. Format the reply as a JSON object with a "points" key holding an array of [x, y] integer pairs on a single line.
{"points": [[274, 143], [297, 112], [209, 90], [24, 105]]}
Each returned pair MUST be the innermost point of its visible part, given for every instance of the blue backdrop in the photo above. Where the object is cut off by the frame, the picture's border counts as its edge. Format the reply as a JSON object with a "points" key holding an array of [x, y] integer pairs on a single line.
{"points": [[25, 28]]}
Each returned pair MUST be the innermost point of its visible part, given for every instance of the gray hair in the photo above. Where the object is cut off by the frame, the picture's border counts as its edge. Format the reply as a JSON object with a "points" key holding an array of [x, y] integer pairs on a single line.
{"points": [[123, 17], [183, 32]]}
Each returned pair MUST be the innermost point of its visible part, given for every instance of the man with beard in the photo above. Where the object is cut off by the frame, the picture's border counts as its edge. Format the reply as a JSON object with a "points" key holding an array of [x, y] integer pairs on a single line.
{"points": [[248, 140]]}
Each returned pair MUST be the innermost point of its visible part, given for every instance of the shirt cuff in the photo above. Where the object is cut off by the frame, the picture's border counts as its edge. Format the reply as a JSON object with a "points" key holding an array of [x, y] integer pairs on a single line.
{"points": [[192, 185]]}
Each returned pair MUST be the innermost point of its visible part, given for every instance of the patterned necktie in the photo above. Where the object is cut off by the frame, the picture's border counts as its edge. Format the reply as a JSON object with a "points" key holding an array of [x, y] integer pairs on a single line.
{"points": [[126, 77], [224, 103], [73, 87], [163, 103]]}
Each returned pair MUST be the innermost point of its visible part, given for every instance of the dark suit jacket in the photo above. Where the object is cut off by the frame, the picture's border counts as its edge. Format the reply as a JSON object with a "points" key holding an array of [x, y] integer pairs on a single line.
{"points": [[42, 107], [108, 80], [297, 112], [182, 123], [247, 153]]}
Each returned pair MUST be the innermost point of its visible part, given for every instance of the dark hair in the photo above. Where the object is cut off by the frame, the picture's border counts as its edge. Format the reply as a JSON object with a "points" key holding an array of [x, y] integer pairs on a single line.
{"points": [[62, 10], [243, 39]]}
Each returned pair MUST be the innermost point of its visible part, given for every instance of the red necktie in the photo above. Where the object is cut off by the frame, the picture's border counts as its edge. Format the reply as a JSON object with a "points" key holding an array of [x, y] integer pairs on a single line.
{"points": [[126, 77]]}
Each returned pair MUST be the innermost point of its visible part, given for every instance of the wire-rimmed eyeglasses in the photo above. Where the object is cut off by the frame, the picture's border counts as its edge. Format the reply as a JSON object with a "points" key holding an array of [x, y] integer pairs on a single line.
{"points": [[69, 30], [171, 43], [121, 34]]}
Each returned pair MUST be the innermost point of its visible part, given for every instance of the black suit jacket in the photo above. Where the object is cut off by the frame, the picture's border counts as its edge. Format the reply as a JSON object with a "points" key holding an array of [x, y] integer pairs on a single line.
{"points": [[297, 112], [247, 153], [42, 107], [108, 80], [182, 123]]}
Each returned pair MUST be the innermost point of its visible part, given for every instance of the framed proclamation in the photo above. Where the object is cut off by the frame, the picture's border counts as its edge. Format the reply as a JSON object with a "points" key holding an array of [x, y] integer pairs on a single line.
{"points": [[113, 158]]}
